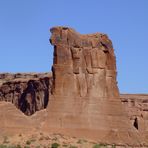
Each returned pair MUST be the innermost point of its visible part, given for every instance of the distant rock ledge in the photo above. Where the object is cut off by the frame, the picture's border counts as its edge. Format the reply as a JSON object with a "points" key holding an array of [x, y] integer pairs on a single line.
{"points": [[29, 92]]}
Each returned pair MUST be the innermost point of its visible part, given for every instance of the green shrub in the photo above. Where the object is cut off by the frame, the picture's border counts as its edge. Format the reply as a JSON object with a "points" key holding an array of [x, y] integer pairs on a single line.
{"points": [[18, 146], [99, 146], [3, 146], [9, 146], [55, 145], [73, 146], [12, 146], [113, 146], [65, 145], [26, 146], [96, 146]]}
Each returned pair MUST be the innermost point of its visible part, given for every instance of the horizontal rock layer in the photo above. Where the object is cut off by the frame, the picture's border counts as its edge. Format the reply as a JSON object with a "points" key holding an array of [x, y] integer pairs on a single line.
{"points": [[136, 106]]}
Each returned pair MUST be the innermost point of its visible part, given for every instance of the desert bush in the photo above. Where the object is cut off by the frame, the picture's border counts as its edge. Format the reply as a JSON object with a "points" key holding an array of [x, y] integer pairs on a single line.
{"points": [[3, 146], [18, 146], [65, 145], [113, 146], [26, 146], [9, 146], [55, 145], [73, 146], [100, 146]]}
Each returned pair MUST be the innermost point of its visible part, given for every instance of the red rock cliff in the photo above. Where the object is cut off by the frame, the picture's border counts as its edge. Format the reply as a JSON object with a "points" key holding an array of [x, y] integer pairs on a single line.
{"points": [[85, 98], [28, 92], [84, 65]]}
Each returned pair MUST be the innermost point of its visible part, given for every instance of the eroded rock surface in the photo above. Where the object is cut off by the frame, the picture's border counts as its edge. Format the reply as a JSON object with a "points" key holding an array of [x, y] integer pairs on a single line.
{"points": [[136, 106], [28, 92], [85, 98], [84, 65]]}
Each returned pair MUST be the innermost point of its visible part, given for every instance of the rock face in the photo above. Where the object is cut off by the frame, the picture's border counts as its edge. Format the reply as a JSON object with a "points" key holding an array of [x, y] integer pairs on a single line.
{"points": [[84, 65], [136, 106], [28, 92], [85, 98], [13, 120]]}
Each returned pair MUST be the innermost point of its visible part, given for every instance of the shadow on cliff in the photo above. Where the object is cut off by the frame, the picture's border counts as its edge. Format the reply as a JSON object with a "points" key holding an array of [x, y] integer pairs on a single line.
{"points": [[35, 97], [28, 92]]}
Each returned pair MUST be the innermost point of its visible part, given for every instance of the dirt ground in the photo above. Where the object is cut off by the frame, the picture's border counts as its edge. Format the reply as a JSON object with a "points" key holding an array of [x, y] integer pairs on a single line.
{"points": [[43, 140]]}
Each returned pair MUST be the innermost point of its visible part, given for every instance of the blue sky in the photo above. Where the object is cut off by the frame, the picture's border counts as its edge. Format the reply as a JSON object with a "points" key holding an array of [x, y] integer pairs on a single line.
{"points": [[24, 34]]}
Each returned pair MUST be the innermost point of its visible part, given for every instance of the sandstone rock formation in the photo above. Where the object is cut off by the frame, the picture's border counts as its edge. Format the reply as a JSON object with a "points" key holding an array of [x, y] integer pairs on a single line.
{"points": [[12, 120], [136, 106], [28, 92], [84, 65], [85, 98]]}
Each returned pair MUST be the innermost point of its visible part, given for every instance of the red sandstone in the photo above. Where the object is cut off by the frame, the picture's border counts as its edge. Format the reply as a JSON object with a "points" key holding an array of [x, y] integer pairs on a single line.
{"points": [[84, 100]]}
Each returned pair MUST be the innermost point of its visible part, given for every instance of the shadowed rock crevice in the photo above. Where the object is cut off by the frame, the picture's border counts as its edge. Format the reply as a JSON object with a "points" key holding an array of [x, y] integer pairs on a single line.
{"points": [[136, 105], [28, 92], [35, 96], [136, 123]]}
